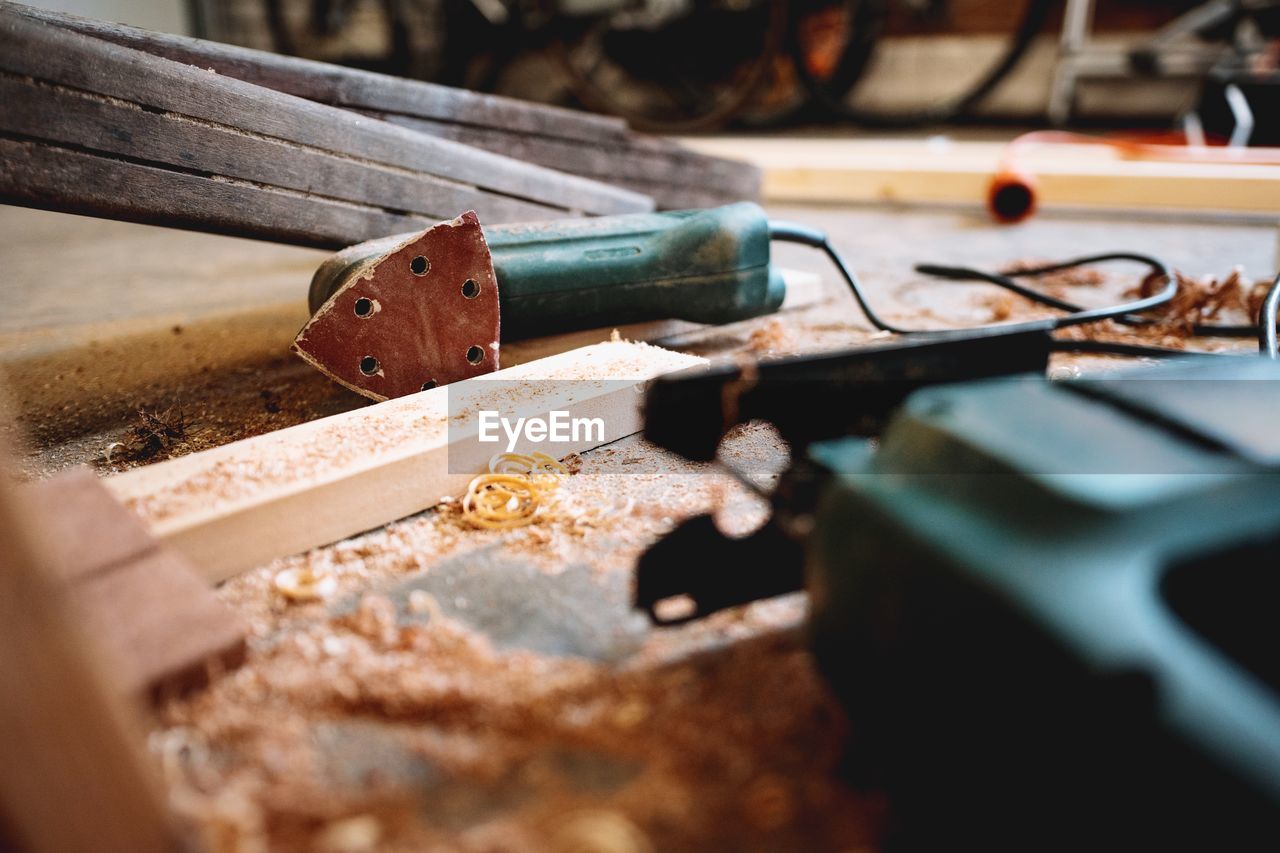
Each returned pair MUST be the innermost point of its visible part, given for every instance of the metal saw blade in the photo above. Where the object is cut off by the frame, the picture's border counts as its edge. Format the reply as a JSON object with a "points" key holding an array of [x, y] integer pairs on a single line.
{"points": [[421, 315]]}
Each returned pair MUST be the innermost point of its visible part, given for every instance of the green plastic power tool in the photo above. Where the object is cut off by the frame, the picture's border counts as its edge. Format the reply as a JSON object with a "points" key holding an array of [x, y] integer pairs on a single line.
{"points": [[400, 314], [1049, 608]]}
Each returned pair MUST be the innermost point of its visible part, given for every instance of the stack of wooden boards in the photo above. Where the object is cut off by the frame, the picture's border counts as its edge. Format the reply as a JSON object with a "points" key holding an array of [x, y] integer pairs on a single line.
{"points": [[113, 121]]}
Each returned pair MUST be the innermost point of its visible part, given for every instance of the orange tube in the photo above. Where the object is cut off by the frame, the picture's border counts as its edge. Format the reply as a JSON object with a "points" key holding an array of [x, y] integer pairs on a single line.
{"points": [[1011, 196]]}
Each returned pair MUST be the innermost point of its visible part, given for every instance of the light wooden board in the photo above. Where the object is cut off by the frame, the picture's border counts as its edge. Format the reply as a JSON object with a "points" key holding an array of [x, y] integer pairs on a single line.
{"points": [[939, 171], [240, 505]]}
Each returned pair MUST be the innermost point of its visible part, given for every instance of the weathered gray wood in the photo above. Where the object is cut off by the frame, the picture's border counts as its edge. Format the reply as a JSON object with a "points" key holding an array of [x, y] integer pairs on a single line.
{"points": [[37, 174], [675, 177], [93, 123], [580, 143], [47, 52], [320, 81]]}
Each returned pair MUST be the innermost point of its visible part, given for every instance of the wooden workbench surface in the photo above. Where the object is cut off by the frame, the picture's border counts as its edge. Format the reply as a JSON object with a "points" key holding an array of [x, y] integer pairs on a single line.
{"points": [[523, 705]]}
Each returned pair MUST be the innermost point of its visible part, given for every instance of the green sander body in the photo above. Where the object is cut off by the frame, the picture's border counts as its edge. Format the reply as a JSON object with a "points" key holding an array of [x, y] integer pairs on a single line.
{"points": [[1052, 609], [394, 316], [704, 266]]}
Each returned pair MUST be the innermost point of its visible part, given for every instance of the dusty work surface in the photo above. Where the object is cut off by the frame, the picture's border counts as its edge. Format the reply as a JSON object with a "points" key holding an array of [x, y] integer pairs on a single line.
{"points": [[104, 321], [487, 690]]}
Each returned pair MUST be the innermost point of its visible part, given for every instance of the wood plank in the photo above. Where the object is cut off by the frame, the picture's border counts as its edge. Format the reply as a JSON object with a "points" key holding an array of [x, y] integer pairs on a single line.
{"points": [[676, 178], [568, 140], [950, 172], [73, 773], [144, 603], [33, 174], [240, 505], [85, 524], [101, 125], [163, 622], [334, 84], [58, 55], [91, 123]]}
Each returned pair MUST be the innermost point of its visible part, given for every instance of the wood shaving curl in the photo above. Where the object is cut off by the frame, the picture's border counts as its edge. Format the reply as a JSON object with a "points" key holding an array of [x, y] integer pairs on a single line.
{"points": [[301, 583], [515, 490]]}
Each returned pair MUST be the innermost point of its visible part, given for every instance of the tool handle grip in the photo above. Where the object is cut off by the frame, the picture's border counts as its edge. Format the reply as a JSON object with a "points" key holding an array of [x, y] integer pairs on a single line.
{"points": [[705, 266]]}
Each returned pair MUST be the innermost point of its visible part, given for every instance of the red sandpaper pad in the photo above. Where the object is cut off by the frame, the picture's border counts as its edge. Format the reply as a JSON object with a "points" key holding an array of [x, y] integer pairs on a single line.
{"points": [[422, 315]]}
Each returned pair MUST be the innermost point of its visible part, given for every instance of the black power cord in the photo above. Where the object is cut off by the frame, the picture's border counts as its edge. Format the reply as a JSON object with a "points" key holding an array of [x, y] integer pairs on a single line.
{"points": [[789, 232], [1206, 330], [1125, 312]]}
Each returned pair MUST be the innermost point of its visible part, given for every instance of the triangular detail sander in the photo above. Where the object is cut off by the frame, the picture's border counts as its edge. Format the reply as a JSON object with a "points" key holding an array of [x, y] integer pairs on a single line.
{"points": [[404, 313], [408, 314]]}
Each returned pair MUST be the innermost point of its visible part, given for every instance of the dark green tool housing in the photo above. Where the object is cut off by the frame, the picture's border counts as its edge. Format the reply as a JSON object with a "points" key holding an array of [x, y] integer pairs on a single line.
{"points": [[704, 266]]}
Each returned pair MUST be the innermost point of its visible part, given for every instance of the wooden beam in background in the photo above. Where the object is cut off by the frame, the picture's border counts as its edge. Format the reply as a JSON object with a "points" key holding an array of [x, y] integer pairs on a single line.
{"points": [[916, 171]]}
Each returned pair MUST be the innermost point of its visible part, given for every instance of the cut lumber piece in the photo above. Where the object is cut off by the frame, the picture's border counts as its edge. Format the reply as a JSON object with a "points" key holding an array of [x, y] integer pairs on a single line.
{"points": [[950, 172], [240, 505], [164, 622], [144, 601], [73, 771], [114, 103], [567, 140]]}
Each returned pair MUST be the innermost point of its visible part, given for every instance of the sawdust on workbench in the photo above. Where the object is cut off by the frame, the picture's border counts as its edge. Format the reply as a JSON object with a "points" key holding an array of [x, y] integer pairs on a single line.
{"points": [[231, 376], [1230, 300], [720, 733]]}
